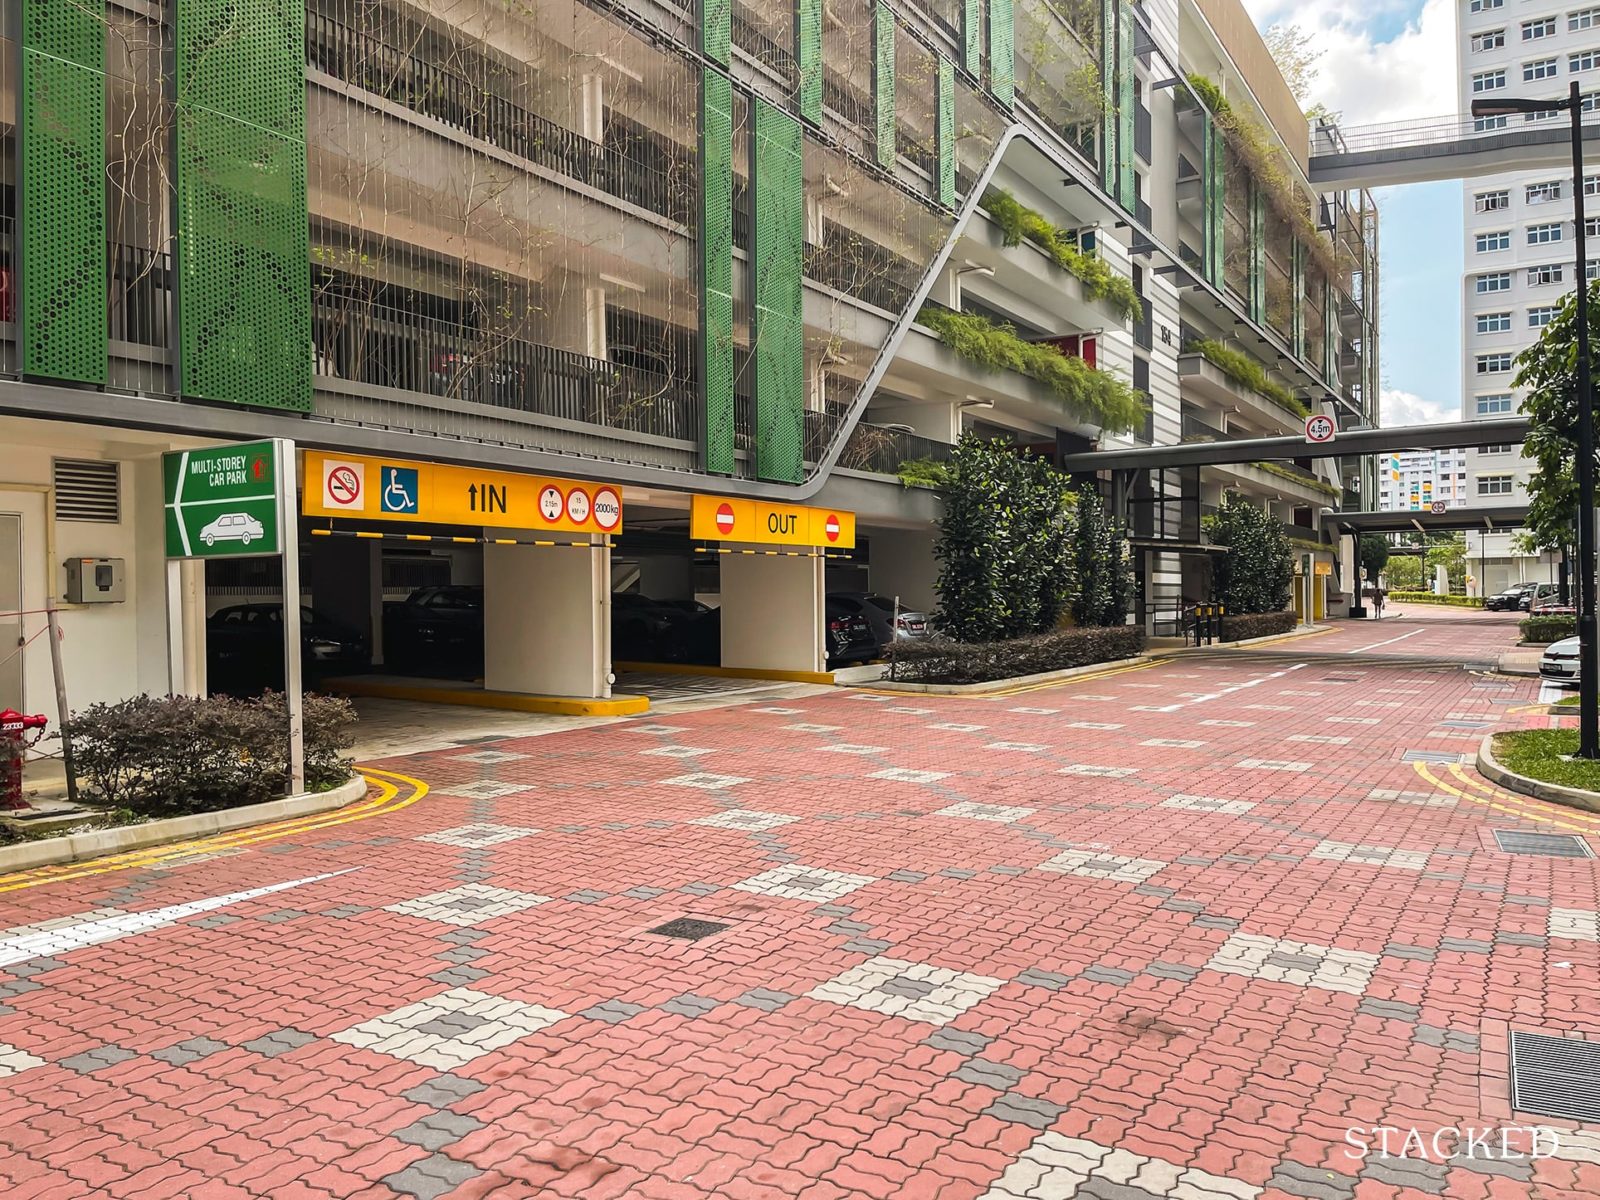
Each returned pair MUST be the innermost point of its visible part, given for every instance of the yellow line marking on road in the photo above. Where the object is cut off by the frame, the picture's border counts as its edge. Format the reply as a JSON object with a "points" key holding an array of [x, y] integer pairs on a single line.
{"points": [[1515, 809], [387, 800]]}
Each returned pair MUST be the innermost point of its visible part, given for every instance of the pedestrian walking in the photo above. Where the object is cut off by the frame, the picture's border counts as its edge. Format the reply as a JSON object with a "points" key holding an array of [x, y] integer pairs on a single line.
{"points": [[1377, 603]]}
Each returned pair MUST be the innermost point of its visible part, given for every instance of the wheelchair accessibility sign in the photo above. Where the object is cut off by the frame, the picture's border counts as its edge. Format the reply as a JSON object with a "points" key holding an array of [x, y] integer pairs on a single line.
{"points": [[397, 489]]}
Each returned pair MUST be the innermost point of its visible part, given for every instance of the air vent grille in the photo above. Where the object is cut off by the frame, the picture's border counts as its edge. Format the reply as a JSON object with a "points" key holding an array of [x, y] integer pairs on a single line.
{"points": [[87, 490]]}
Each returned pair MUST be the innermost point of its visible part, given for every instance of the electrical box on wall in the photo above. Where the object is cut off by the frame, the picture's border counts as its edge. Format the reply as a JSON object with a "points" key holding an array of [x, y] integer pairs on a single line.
{"points": [[94, 580]]}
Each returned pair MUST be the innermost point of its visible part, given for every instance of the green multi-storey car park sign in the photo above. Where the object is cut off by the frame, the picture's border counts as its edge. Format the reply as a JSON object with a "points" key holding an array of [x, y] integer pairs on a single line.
{"points": [[225, 501]]}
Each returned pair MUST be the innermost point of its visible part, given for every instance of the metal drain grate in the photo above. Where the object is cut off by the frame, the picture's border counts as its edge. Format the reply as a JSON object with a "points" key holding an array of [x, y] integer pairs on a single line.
{"points": [[1555, 1077], [1544, 845], [1432, 756], [1341, 679], [690, 929]]}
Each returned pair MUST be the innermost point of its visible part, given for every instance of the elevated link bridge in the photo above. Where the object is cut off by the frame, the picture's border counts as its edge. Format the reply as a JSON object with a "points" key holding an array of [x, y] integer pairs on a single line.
{"points": [[1427, 149]]}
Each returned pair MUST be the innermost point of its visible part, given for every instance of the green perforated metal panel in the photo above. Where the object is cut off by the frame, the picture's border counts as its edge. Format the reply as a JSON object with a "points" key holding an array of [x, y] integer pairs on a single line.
{"points": [[63, 190], [883, 83], [972, 37], [1258, 257], [244, 281], [716, 30], [779, 224], [1213, 152], [1108, 78], [947, 132], [1127, 194], [1002, 51], [808, 57], [716, 265]]}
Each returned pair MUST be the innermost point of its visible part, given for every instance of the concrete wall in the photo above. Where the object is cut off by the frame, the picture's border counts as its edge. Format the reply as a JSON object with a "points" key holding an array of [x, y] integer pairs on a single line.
{"points": [[772, 612], [547, 620]]}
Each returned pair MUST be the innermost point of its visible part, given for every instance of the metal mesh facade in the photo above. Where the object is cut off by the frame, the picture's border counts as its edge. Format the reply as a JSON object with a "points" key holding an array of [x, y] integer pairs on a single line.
{"points": [[716, 247], [63, 195], [779, 348]]}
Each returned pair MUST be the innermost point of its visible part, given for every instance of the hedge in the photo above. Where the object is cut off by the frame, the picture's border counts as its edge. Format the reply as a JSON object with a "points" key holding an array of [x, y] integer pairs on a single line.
{"points": [[940, 660], [1241, 627], [166, 756], [1432, 598], [1543, 630]]}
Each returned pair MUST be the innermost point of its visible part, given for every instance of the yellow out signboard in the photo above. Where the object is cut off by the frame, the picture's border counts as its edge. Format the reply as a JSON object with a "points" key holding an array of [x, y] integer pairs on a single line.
{"points": [[395, 489], [724, 519]]}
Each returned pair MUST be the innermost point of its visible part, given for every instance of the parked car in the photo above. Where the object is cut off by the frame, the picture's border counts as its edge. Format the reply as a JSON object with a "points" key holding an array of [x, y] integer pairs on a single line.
{"points": [[1540, 593], [879, 612], [647, 630], [244, 647], [1509, 600], [436, 628], [1559, 664], [850, 637]]}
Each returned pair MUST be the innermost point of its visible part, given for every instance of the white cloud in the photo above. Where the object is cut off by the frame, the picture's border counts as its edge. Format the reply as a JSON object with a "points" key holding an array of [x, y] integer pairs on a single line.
{"points": [[1382, 60], [1396, 407]]}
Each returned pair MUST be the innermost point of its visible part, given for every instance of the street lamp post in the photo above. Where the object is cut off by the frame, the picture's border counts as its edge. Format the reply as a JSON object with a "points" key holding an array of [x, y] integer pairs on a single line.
{"points": [[1588, 664]]}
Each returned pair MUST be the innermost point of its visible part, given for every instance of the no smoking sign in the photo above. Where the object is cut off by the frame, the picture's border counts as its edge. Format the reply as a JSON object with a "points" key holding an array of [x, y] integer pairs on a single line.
{"points": [[343, 484]]}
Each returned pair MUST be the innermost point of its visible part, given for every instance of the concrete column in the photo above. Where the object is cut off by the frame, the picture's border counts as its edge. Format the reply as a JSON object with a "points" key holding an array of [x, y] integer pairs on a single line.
{"points": [[592, 107], [1441, 580], [903, 565], [547, 620], [772, 612], [346, 585], [186, 627]]}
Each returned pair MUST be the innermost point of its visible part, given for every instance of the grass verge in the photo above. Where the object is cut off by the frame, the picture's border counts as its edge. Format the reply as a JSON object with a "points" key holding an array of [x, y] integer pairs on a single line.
{"points": [[1537, 753]]}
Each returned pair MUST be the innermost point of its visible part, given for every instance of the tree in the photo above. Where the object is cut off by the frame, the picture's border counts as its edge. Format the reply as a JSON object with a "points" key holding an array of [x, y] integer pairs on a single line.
{"points": [[1405, 573], [1104, 570], [1290, 47], [1549, 369], [1374, 553], [1448, 550], [1256, 573]]}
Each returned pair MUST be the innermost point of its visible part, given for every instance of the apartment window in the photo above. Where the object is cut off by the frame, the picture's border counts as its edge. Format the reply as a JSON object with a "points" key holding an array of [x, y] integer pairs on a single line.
{"points": [[1591, 226], [1496, 201], [1545, 275], [1493, 40], [1544, 27], [1479, 6], [1591, 271], [1543, 193], [1586, 60], [1494, 485], [1493, 364], [1496, 450], [1494, 406], [1548, 114], [1540, 68], [1500, 281], [1544, 234], [1489, 81], [1542, 315], [1584, 18], [1494, 322], [1591, 185], [1488, 124], [1500, 239]]}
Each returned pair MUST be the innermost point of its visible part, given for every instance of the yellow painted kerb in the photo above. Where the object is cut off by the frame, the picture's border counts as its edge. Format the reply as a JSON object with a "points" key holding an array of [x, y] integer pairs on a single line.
{"points": [[645, 668], [566, 706]]}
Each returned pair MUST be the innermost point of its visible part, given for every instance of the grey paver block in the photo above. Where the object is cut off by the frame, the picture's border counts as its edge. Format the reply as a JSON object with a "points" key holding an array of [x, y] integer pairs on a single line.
{"points": [[1407, 1173], [867, 945], [431, 1177], [690, 1005], [1108, 975], [962, 1041], [280, 1041], [587, 896], [1313, 1183], [1049, 980], [1418, 953], [999, 1076], [458, 976], [1025, 1110], [612, 1012], [644, 892], [1520, 939], [97, 1059], [188, 1051], [906, 876], [443, 1090], [1465, 945], [1396, 1010], [462, 954], [437, 1130], [1166, 970], [763, 998], [1188, 906], [1211, 921]]}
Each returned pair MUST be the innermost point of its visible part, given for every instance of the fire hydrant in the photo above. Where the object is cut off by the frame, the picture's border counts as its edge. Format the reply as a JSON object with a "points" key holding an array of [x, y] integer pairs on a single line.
{"points": [[14, 727]]}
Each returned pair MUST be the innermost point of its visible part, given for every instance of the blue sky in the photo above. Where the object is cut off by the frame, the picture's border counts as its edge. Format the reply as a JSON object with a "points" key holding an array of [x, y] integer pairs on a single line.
{"points": [[1393, 60]]}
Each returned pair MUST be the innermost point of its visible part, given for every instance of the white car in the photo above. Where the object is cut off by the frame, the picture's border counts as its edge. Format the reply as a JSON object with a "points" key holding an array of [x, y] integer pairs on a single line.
{"points": [[232, 527], [1559, 663]]}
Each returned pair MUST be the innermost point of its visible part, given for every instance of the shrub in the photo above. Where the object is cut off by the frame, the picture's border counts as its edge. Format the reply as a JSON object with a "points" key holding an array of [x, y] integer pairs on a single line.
{"points": [[1433, 598], [163, 756], [923, 472], [1256, 573], [1096, 396], [1247, 373], [1544, 630], [1241, 627], [1018, 222], [940, 660]]}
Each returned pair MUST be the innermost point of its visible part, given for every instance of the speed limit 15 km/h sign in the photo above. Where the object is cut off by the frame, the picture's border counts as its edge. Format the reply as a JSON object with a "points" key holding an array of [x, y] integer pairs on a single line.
{"points": [[1320, 428]]}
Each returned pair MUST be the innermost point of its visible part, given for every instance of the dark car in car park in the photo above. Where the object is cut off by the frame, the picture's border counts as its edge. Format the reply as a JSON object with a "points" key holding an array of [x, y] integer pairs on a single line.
{"points": [[436, 628], [849, 637], [1509, 600], [648, 630], [244, 647], [880, 614]]}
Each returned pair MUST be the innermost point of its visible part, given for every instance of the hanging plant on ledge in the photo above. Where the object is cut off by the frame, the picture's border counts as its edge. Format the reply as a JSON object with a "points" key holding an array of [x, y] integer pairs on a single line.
{"points": [[1095, 396], [1018, 223]]}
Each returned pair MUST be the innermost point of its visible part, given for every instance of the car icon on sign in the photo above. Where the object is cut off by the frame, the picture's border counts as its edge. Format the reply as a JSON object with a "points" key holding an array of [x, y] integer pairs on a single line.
{"points": [[232, 527]]}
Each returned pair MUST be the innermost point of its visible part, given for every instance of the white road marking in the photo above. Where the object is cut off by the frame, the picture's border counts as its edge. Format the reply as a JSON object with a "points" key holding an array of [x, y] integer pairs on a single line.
{"points": [[1387, 642], [1227, 691]]}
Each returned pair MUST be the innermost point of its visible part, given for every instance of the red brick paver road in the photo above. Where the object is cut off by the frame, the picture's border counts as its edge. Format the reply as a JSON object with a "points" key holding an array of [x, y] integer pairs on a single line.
{"points": [[1173, 931]]}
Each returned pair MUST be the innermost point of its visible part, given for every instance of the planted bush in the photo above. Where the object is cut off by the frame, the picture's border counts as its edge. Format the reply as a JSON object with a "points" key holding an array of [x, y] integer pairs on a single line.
{"points": [[1256, 573], [167, 756], [942, 660], [1241, 627], [1247, 373], [1017, 223], [1435, 598], [1547, 629]]}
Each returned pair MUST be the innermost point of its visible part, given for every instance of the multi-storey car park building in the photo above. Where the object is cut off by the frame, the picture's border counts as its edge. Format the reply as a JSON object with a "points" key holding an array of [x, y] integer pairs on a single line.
{"points": [[1519, 232], [655, 252]]}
